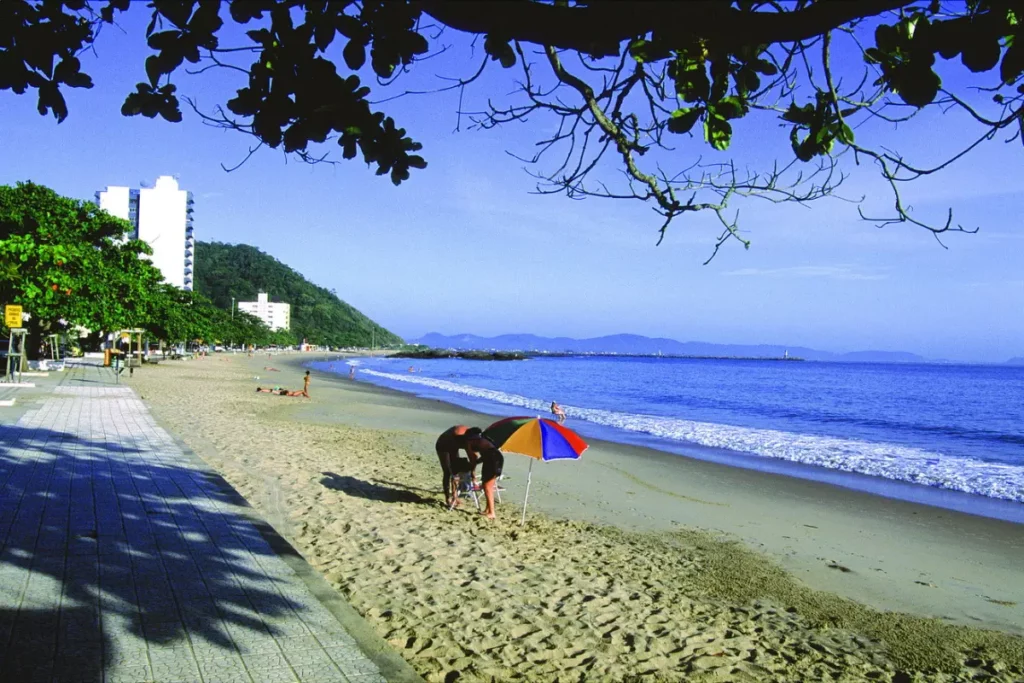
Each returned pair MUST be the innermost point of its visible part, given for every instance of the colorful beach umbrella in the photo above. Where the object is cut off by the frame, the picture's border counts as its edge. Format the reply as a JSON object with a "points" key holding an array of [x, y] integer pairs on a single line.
{"points": [[536, 438]]}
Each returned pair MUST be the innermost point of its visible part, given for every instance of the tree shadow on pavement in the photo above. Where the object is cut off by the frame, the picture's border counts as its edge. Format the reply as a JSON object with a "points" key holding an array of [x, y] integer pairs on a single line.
{"points": [[157, 547]]}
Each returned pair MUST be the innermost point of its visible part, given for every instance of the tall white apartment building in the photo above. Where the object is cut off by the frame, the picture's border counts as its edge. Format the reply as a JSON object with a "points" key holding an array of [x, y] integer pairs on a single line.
{"points": [[162, 217], [274, 315]]}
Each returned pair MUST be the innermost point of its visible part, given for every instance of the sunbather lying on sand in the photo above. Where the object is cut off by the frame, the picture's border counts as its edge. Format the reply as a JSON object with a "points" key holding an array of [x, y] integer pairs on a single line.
{"points": [[281, 392]]}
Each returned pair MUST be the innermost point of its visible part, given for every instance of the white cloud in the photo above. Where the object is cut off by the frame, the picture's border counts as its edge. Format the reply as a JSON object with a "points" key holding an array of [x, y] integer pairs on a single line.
{"points": [[998, 284], [838, 272]]}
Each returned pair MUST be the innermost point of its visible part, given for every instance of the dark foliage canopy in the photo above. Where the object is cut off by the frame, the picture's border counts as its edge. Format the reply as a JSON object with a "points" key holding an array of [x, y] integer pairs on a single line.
{"points": [[645, 96], [241, 271], [66, 260]]}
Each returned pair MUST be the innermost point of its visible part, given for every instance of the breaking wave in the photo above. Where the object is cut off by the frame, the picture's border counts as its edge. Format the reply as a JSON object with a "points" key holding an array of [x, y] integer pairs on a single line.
{"points": [[891, 461]]}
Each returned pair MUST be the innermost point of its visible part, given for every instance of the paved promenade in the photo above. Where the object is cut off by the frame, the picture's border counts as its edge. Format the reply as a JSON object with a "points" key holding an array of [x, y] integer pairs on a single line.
{"points": [[123, 558]]}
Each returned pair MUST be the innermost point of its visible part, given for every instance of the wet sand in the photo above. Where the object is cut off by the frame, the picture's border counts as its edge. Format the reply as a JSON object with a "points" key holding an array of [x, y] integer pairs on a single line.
{"points": [[633, 563]]}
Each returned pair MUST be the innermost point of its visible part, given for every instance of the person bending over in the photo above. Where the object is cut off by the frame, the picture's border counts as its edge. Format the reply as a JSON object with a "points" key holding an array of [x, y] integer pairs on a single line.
{"points": [[558, 412], [448, 445]]}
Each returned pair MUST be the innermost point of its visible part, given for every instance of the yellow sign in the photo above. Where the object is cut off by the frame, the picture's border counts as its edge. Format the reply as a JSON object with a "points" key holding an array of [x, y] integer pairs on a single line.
{"points": [[12, 316]]}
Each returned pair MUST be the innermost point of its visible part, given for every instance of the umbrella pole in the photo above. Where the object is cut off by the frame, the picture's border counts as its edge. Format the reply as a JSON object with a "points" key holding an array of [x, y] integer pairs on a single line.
{"points": [[529, 477]]}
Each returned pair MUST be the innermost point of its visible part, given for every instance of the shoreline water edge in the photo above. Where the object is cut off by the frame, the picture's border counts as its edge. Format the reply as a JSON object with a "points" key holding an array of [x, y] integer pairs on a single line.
{"points": [[823, 426], [633, 562]]}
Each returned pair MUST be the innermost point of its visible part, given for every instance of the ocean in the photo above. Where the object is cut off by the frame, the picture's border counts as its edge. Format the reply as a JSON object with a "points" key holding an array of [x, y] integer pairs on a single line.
{"points": [[945, 435]]}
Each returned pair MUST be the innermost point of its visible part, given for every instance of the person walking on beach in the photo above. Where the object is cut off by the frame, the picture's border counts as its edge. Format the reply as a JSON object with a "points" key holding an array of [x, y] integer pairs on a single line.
{"points": [[451, 441], [558, 412]]}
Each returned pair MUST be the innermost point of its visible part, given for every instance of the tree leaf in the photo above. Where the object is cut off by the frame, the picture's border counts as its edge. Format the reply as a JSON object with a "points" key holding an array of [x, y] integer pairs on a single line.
{"points": [[323, 34], [764, 67], [684, 119], [981, 54], [731, 107], [886, 38], [79, 80], [154, 69], [355, 54], [845, 134], [718, 132], [66, 68], [918, 87], [638, 50], [719, 79], [500, 50], [803, 116], [178, 11], [1013, 63]]}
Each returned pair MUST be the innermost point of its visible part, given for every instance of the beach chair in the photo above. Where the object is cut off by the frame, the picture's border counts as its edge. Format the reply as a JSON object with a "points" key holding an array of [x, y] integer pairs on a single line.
{"points": [[466, 486]]}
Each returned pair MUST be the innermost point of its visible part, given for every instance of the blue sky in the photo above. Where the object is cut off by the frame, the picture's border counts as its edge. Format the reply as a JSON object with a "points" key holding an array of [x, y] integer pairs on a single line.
{"points": [[463, 246]]}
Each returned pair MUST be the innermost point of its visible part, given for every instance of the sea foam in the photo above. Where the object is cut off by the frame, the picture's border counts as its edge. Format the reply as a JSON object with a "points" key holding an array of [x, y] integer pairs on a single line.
{"points": [[891, 461]]}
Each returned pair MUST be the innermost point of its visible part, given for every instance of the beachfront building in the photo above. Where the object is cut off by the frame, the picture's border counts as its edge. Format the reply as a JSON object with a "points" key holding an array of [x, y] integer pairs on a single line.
{"points": [[162, 217], [276, 316]]}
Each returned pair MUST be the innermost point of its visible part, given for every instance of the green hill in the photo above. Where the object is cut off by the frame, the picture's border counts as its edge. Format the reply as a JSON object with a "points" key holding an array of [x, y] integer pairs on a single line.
{"points": [[241, 271]]}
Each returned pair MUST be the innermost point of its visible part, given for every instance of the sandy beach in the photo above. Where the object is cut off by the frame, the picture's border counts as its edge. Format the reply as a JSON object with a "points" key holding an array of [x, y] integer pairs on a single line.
{"points": [[633, 564]]}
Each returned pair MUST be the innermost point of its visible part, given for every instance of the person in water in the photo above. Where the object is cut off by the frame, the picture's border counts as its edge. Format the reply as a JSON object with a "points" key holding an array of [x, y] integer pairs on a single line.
{"points": [[558, 412], [451, 441]]}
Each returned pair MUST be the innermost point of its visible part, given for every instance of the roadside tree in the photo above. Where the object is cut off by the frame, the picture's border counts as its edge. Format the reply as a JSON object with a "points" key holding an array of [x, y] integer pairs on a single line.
{"points": [[69, 263]]}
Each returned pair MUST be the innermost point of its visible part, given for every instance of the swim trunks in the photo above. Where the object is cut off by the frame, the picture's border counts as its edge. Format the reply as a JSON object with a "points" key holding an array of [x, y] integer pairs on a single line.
{"points": [[493, 461]]}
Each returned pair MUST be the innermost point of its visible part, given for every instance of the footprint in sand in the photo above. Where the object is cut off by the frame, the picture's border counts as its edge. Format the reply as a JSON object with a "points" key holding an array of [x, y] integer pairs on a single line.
{"points": [[1004, 603]]}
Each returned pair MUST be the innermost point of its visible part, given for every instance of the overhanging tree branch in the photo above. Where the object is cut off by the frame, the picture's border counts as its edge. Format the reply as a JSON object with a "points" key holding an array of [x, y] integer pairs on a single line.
{"points": [[600, 27]]}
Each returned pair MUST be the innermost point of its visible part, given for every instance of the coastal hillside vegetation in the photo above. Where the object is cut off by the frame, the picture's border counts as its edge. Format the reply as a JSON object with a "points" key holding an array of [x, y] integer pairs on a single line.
{"points": [[240, 271]]}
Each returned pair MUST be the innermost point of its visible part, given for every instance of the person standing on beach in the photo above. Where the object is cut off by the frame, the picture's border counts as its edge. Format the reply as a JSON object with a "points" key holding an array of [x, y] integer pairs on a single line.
{"points": [[451, 441], [305, 385], [493, 461], [480, 448]]}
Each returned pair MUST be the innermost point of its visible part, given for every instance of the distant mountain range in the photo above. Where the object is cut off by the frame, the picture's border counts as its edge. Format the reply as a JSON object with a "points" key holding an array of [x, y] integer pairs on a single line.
{"points": [[634, 343], [1016, 360]]}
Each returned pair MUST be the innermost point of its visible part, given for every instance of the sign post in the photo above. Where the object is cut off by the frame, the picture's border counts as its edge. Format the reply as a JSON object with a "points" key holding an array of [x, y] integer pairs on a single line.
{"points": [[12, 316], [16, 342], [15, 355]]}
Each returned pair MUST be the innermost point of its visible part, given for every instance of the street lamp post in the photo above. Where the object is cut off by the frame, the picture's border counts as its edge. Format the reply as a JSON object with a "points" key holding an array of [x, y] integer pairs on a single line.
{"points": [[230, 342]]}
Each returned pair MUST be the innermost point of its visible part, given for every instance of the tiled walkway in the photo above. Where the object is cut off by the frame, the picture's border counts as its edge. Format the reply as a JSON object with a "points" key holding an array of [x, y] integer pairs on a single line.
{"points": [[123, 559]]}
